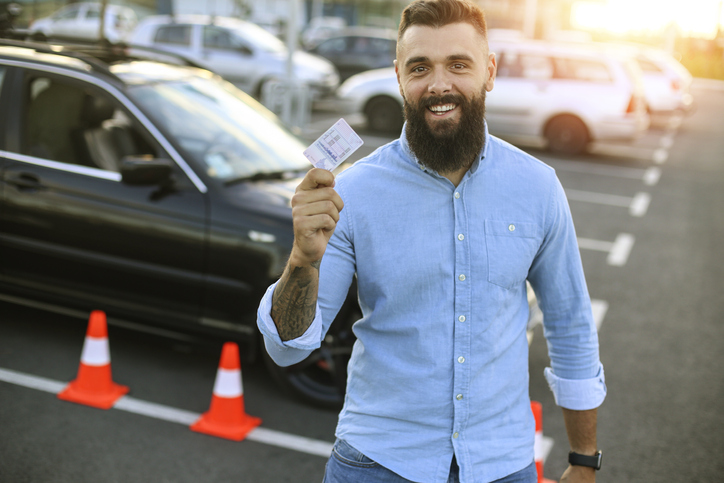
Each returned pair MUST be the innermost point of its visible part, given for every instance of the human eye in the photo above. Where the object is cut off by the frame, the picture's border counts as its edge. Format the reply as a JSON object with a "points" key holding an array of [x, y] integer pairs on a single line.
{"points": [[418, 69]]}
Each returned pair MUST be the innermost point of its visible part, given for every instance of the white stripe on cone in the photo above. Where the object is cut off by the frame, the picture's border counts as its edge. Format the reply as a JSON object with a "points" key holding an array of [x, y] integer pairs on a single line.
{"points": [[538, 446], [95, 351], [228, 383]]}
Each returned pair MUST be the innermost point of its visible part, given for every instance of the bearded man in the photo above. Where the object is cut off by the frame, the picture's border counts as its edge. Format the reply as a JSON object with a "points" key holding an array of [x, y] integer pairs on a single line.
{"points": [[442, 228]]}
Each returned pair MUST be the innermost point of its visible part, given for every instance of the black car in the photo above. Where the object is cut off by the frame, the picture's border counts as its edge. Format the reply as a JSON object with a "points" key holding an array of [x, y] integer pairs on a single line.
{"points": [[359, 49], [158, 193]]}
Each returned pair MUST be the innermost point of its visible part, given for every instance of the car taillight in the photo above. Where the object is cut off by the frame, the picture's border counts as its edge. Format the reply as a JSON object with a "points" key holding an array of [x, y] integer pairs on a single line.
{"points": [[631, 105]]}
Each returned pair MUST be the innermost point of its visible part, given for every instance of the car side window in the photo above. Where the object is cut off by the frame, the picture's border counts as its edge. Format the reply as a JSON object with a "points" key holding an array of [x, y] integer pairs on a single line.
{"points": [[526, 66], [581, 70], [67, 14], [92, 13], [333, 46], [173, 34], [648, 66], [218, 38], [71, 124]]}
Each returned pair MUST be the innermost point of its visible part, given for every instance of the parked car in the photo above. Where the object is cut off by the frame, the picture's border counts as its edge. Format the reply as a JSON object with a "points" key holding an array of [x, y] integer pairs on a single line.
{"points": [[667, 83], [320, 28], [358, 49], [241, 52], [82, 21], [566, 95], [158, 193]]}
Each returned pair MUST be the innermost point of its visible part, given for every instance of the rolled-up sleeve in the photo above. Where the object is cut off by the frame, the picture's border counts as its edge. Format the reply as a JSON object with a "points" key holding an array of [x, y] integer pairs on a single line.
{"points": [[286, 353], [577, 394]]}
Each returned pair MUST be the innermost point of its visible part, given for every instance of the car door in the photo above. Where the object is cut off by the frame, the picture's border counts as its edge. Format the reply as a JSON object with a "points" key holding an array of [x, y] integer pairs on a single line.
{"points": [[518, 103], [71, 230], [65, 22]]}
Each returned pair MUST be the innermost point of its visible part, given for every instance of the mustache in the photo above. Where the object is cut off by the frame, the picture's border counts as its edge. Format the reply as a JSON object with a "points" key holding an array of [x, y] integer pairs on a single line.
{"points": [[444, 99]]}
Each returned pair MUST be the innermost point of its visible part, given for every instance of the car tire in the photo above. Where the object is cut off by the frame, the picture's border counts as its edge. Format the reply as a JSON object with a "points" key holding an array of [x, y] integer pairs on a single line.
{"points": [[321, 379], [384, 114], [567, 135], [39, 37]]}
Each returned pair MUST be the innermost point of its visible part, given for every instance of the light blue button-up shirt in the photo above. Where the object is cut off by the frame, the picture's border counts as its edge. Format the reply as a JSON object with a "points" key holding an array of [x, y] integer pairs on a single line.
{"points": [[440, 365]]}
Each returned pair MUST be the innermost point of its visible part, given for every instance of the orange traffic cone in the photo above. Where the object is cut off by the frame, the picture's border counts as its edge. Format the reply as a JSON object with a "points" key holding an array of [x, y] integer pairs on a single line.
{"points": [[538, 415], [93, 386], [226, 417]]}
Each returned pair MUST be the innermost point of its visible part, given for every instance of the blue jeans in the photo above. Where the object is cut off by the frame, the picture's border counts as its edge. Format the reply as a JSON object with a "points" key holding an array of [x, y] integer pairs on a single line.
{"points": [[347, 465]]}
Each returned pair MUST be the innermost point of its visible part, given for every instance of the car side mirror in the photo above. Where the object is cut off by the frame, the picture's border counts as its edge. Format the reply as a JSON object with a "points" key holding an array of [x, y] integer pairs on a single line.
{"points": [[144, 170], [244, 50]]}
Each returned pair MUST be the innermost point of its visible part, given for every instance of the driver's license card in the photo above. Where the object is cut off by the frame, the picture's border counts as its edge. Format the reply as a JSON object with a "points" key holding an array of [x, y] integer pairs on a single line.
{"points": [[334, 146]]}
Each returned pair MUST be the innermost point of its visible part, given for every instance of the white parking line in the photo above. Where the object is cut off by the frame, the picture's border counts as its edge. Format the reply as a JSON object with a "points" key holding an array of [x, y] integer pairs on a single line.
{"points": [[174, 415], [599, 308], [637, 206], [626, 151], [618, 250], [649, 176]]}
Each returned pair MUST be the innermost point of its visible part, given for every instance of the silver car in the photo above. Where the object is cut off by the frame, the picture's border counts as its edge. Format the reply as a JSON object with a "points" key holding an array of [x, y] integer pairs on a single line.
{"points": [[243, 53]]}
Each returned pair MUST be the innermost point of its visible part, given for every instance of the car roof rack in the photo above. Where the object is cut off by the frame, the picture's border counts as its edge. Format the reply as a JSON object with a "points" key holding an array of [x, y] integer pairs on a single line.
{"points": [[99, 56]]}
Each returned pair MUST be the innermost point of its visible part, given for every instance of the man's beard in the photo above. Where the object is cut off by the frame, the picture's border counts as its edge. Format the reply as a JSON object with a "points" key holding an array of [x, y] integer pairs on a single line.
{"points": [[449, 145]]}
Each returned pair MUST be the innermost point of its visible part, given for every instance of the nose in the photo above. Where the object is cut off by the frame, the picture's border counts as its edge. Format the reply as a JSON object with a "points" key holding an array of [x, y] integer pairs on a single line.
{"points": [[439, 83]]}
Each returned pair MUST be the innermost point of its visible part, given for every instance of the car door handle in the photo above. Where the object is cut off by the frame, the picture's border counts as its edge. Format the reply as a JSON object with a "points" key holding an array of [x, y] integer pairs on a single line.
{"points": [[24, 181]]}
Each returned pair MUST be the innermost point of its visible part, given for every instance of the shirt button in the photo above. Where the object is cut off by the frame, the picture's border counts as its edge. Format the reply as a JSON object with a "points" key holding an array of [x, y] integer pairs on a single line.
{"points": [[461, 277], [511, 227], [461, 237], [461, 318], [461, 359], [459, 397], [457, 195], [455, 435]]}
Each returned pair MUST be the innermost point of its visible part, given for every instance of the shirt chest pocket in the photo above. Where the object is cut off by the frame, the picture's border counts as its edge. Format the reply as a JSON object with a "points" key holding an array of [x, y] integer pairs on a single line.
{"points": [[511, 247]]}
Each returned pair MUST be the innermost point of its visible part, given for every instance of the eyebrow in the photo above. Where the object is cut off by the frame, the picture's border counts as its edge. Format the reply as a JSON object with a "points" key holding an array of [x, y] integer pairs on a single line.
{"points": [[416, 60]]}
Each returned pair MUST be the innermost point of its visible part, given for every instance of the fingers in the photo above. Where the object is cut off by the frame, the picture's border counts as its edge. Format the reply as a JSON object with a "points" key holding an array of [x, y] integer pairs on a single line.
{"points": [[316, 177]]}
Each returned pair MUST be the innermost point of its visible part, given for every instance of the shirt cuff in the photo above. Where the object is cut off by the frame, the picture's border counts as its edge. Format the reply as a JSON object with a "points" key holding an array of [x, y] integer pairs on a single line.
{"points": [[308, 341], [577, 394]]}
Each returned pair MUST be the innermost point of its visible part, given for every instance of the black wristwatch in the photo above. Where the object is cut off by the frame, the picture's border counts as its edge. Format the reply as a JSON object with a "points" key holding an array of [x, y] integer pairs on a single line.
{"points": [[584, 460]]}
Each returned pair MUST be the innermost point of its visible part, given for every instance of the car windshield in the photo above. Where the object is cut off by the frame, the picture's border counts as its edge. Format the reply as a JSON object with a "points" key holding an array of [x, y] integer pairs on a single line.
{"points": [[222, 129], [260, 38]]}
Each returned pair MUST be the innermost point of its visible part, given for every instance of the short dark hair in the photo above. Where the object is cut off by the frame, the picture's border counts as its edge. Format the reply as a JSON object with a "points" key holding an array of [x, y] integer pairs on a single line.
{"points": [[438, 13]]}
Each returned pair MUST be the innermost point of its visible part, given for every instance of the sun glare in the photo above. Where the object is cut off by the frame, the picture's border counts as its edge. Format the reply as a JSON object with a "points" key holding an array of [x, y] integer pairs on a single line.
{"points": [[691, 18]]}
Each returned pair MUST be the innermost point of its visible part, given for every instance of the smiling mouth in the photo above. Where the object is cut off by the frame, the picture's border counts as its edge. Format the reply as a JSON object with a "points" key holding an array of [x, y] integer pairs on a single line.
{"points": [[441, 109]]}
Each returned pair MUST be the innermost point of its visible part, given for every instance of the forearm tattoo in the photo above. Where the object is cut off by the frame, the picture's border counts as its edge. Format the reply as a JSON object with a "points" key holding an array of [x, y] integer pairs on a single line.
{"points": [[295, 300]]}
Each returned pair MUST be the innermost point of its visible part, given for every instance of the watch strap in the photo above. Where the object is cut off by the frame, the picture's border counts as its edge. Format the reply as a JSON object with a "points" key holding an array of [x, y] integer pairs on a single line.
{"points": [[577, 459]]}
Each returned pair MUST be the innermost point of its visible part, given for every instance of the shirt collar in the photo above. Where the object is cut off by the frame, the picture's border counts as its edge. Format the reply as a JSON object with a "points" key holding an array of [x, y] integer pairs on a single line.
{"points": [[411, 158]]}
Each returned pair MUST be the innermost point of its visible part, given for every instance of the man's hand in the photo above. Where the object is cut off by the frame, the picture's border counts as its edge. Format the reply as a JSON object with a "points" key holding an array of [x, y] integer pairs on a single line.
{"points": [[578, 474], [315, 211]]}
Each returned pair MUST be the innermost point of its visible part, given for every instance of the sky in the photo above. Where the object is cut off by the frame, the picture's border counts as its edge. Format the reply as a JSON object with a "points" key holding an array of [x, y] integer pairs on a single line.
{"points": [[693, 18]]}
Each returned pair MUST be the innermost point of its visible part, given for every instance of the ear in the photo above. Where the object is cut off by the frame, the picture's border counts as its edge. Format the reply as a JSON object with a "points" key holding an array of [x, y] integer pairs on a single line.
{"points": [[397, 73], [492, 69]]}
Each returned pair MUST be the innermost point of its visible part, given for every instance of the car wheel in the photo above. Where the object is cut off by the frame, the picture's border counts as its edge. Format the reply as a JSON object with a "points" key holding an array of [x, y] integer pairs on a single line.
{"points": [[567, 135], [384, 114], [321, 379], [39, 37]]}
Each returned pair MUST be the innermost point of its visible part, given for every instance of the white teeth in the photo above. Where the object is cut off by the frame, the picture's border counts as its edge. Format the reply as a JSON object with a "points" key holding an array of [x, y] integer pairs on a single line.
{"points": [[443, 108]]}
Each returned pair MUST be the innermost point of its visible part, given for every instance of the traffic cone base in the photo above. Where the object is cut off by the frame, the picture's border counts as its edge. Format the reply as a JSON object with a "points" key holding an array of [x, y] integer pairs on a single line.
{"points": [[94, 386], [235, 426], [101, 400]]}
